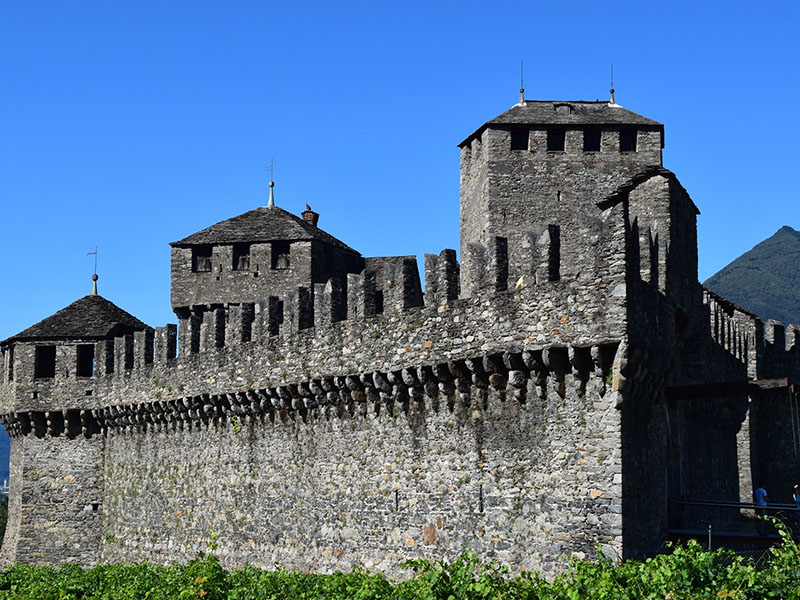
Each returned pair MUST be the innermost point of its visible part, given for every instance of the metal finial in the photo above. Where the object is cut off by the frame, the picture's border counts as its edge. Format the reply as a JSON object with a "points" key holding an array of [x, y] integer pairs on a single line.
{"points": [[612, 84], [521, 84], [94, 275], [271, 170]]}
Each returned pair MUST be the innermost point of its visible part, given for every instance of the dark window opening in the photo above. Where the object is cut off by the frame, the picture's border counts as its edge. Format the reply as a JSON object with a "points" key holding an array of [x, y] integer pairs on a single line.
{"points": [[241, 257], [280, 255], [378, 302], [519, 139], [201, 259], [85, 360], [591, 139], [555, 139], [627, 139], [328, 261], [45, 362], [554, 253]]}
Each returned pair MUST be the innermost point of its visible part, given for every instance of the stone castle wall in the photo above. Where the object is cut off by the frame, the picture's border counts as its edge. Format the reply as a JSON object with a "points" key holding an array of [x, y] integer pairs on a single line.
{"points": [[487, 422], [522, 481], [356, 420]]}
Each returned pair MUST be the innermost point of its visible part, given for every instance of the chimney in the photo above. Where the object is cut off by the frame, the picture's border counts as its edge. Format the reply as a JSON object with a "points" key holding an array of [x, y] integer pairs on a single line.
{"points": [[309, 216]]}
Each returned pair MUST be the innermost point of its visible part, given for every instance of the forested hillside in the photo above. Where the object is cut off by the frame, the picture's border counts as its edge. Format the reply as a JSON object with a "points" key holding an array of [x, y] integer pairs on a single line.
{"points": [[765, 280]]}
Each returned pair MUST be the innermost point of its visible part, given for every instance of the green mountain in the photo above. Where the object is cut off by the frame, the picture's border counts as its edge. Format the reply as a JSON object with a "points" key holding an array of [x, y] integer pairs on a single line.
{"points": [[765, 280]]}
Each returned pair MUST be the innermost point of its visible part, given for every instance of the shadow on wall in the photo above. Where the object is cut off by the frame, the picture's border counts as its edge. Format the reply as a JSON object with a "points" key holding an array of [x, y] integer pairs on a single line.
{"points": [[5, 452]]}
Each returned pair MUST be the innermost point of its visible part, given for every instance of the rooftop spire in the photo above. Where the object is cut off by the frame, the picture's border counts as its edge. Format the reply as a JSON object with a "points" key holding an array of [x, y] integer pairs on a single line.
{"points": [[271, 170], [521, 85], [94, 275], [612, 84]]}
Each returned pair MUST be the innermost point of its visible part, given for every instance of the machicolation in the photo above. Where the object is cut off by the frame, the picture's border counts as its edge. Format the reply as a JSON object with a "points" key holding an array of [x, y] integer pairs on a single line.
{"points": [[568, 382]]}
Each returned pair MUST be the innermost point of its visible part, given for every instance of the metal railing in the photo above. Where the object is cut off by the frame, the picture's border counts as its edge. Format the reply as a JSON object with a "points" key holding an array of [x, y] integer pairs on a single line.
{"points": [[723, 522]]}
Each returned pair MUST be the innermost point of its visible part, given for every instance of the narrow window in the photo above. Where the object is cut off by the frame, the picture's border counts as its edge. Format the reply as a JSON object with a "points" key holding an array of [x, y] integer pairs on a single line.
{"points": [[241, 257], [378, 302], [85, 360], [280, 255], [627, 139], [45, 362], [555, 139], [519, 139], [201, 259], [591, 139], [554, 253]]}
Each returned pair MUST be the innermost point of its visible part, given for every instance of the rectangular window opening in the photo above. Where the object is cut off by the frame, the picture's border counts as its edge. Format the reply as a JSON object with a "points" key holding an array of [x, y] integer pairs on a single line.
{"points": [[241, 257], [591, 139], [519, 139], [201, 259], [554, 253], [280, 256], [378, 302], [627, 139], [85, 360], [45, 362], [555, 139]]}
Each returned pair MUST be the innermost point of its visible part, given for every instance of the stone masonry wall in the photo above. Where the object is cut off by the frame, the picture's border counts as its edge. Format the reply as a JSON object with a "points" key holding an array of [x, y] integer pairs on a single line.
{"points": [[211, 426], [54, 516], [525, 482], [517, 193]]}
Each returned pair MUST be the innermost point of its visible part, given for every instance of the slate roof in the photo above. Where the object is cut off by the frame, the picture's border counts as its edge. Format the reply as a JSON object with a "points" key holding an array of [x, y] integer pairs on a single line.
{"points": [[263, 224], [543, 112], [647, 173], [91, 317]]}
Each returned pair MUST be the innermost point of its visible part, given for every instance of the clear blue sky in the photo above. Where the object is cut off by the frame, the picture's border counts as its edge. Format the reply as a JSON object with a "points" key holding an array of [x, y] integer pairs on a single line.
{"points": [[127, 125]]}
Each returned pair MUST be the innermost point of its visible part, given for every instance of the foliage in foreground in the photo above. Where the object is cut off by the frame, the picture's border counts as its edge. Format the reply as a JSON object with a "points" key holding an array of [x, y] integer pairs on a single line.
{"points": [[687, 573]]}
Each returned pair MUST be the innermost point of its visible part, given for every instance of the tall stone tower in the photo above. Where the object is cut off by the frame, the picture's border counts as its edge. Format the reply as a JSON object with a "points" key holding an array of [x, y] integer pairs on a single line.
{"points": [[540, 169]]}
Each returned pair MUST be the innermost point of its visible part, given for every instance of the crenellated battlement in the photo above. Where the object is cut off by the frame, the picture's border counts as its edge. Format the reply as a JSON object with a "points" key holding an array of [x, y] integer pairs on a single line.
{"points": [[431, 387], [341, 327], [768, 349], [566, 382]]}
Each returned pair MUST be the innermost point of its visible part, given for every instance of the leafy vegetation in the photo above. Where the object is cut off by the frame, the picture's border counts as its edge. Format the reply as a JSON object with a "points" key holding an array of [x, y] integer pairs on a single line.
{"points": [[765, 279], [688, 572]]}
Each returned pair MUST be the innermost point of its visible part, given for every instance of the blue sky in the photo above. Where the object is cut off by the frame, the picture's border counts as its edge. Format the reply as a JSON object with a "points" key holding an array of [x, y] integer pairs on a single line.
{"points": [[127, 125]]}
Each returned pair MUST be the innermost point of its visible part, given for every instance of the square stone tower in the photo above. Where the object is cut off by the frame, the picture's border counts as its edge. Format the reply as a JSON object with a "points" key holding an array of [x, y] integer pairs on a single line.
{"points": [[541, 167]]}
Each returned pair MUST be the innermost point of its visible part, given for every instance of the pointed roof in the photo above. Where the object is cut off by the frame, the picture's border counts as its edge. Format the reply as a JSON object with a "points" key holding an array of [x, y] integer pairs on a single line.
{"points": [[568, 113], [621, 192], [90, 318], [263, 224]]}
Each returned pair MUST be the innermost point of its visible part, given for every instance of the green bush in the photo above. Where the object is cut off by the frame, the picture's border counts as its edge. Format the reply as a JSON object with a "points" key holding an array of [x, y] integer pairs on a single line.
{"points": [[686, 573]]}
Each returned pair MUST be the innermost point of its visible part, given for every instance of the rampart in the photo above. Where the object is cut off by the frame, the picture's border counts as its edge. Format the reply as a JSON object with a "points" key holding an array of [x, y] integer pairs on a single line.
{"points": [[567, 384], [330, 435]]}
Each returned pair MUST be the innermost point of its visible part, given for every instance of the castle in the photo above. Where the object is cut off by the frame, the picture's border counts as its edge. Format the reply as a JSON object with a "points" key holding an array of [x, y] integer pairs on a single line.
{"points": [[568, 382]]}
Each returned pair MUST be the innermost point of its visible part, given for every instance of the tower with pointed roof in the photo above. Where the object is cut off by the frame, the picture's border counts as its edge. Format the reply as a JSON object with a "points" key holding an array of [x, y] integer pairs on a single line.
{"points": [[542, 166], [56, 360], [261, 254]]}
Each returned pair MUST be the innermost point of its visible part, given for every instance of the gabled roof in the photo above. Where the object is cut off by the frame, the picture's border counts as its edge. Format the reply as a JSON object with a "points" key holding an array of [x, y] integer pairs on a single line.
{"points": [[647, 173], [263, 224], [580, 112], [90, 318]]}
